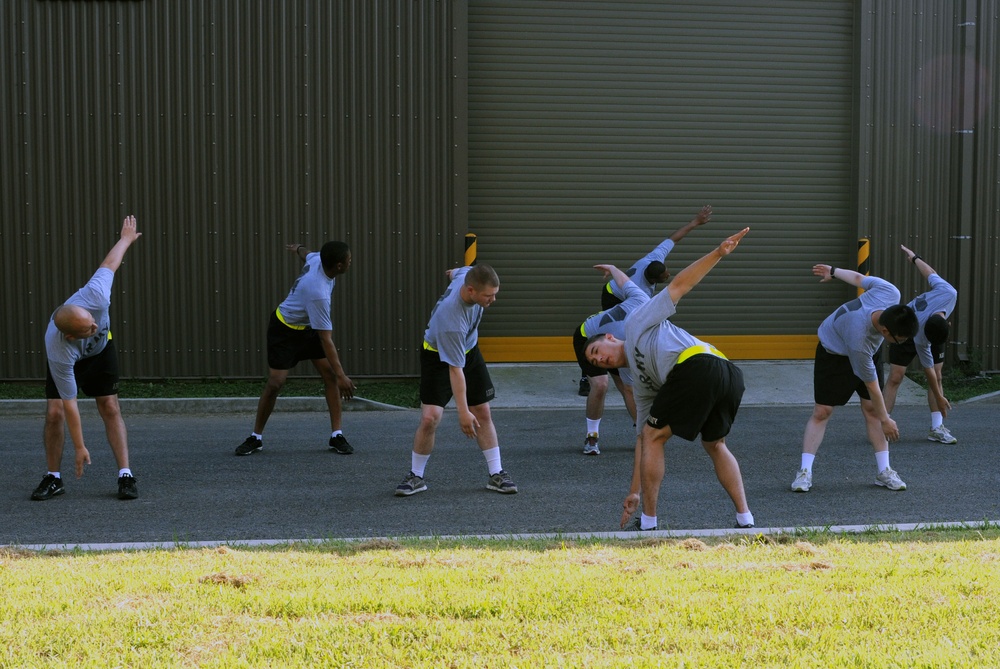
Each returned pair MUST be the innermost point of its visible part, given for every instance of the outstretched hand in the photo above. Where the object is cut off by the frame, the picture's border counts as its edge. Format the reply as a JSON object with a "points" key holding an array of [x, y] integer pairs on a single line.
{"points": [[704, 216], [82, 458], [129, 232], [629, 506], [823, 272], [729, 244], [606, 269]]}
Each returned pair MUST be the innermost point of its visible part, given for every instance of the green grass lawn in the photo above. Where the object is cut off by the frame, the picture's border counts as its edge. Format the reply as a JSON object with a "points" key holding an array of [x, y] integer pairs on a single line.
{"points": [[925, 599]]}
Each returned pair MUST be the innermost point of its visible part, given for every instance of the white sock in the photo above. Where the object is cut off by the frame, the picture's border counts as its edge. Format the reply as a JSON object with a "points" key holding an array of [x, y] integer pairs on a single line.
{"points": [[56, 474], [593, 426], [647, 522], [124, 471], [882, 460], [418, 463], [336, 433], [744, 518], [937, 420], [492, 456], [258, 437], [807, 461]]}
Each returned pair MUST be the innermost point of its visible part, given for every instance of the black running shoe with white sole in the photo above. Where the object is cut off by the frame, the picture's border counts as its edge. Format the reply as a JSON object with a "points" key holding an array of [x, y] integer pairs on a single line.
{"points": [[339, 445], [127, 488], [49, 487], [251, 445]]}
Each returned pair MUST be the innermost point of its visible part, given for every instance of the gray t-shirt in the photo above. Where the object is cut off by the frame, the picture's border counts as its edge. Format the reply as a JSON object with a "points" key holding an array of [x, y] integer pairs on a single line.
{"points": [[849, 330], [652, 344], [941, 297], [637, 272], [612, 321], [308, 302], [62, 355], [453, 329]]}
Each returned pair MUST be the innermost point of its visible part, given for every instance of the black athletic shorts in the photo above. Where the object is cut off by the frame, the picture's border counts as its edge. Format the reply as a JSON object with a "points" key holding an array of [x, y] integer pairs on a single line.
{"points": [[580, 348], [834, 381], [287, 347], [702, 394], [96, 376], [608, 299], [903, 354], [435, 379]]}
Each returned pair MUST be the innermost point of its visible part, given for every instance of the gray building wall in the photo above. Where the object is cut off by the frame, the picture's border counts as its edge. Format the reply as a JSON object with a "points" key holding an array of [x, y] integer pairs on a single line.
{"points": [[230, 129], [594, 130], [929, 155]]}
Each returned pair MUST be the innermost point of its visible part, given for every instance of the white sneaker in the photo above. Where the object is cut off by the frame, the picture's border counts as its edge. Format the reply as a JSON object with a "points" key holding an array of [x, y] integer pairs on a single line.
{"points": [[942, 435], [590, 445], [803, 481], [890, 479]]}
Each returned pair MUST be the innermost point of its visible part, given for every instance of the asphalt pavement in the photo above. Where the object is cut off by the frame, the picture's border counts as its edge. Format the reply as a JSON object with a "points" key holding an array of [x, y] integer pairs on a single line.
{"points": [[193, 489]]}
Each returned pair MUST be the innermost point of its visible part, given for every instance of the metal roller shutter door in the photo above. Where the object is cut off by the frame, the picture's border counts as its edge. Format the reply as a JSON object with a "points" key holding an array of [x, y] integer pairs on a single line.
{"points": [[596, 129]]}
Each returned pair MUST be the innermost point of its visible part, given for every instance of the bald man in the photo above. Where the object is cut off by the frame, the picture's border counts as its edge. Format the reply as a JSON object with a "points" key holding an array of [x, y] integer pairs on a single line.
{"points": [[80, 353]]}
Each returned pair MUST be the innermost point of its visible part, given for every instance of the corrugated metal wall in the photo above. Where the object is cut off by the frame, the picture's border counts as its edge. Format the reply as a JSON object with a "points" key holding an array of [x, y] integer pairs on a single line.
{"points": [[229, 128], [597, 129], [928, 157]]}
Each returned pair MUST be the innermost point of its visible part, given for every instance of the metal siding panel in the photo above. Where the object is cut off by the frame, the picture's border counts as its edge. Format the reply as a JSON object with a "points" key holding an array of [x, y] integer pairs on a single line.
{"points": [[598, 129], [931, 157], [230, 129]]}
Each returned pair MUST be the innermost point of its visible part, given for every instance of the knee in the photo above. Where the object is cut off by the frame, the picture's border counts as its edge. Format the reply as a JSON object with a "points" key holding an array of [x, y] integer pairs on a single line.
{"points": [[483, 414], [273, 385], [54, 414], [429, 421], [822, 413]]}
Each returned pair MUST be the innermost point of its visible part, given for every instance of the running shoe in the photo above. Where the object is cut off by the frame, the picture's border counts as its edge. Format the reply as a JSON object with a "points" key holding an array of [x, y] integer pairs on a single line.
{"points": [[942, 435], [339, 444], [887, 478], [411, 485], [251, 445], [502, 483], [126, 487], [49, 487], [803, 481], [590, 445]]}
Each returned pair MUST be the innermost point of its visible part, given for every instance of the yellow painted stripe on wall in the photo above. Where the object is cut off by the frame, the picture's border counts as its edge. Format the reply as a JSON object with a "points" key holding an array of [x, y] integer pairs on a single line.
{"points": [[736, 347]]}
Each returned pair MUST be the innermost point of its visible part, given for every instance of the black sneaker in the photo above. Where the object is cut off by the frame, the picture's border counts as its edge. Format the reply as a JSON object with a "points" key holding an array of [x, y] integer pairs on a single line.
{"points": [[126, 487], [584, 387], [251, 445], [339, 444], [502, 483], [49, 487], [636, 526], [411, 485]]}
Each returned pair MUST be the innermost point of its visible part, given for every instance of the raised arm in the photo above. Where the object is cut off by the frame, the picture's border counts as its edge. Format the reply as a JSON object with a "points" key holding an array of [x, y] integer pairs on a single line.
{"points": [[298, 249], [690, 276], [924, 268], [827, 272], [703, 217], [117, 253], [613, 273]]}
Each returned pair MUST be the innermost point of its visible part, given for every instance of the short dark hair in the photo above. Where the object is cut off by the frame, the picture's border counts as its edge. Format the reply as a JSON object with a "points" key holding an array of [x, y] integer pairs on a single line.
{"points": [[481, 276], [333, 253], [654, 271], [592, 339], [936, 329], [900, 320]]}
